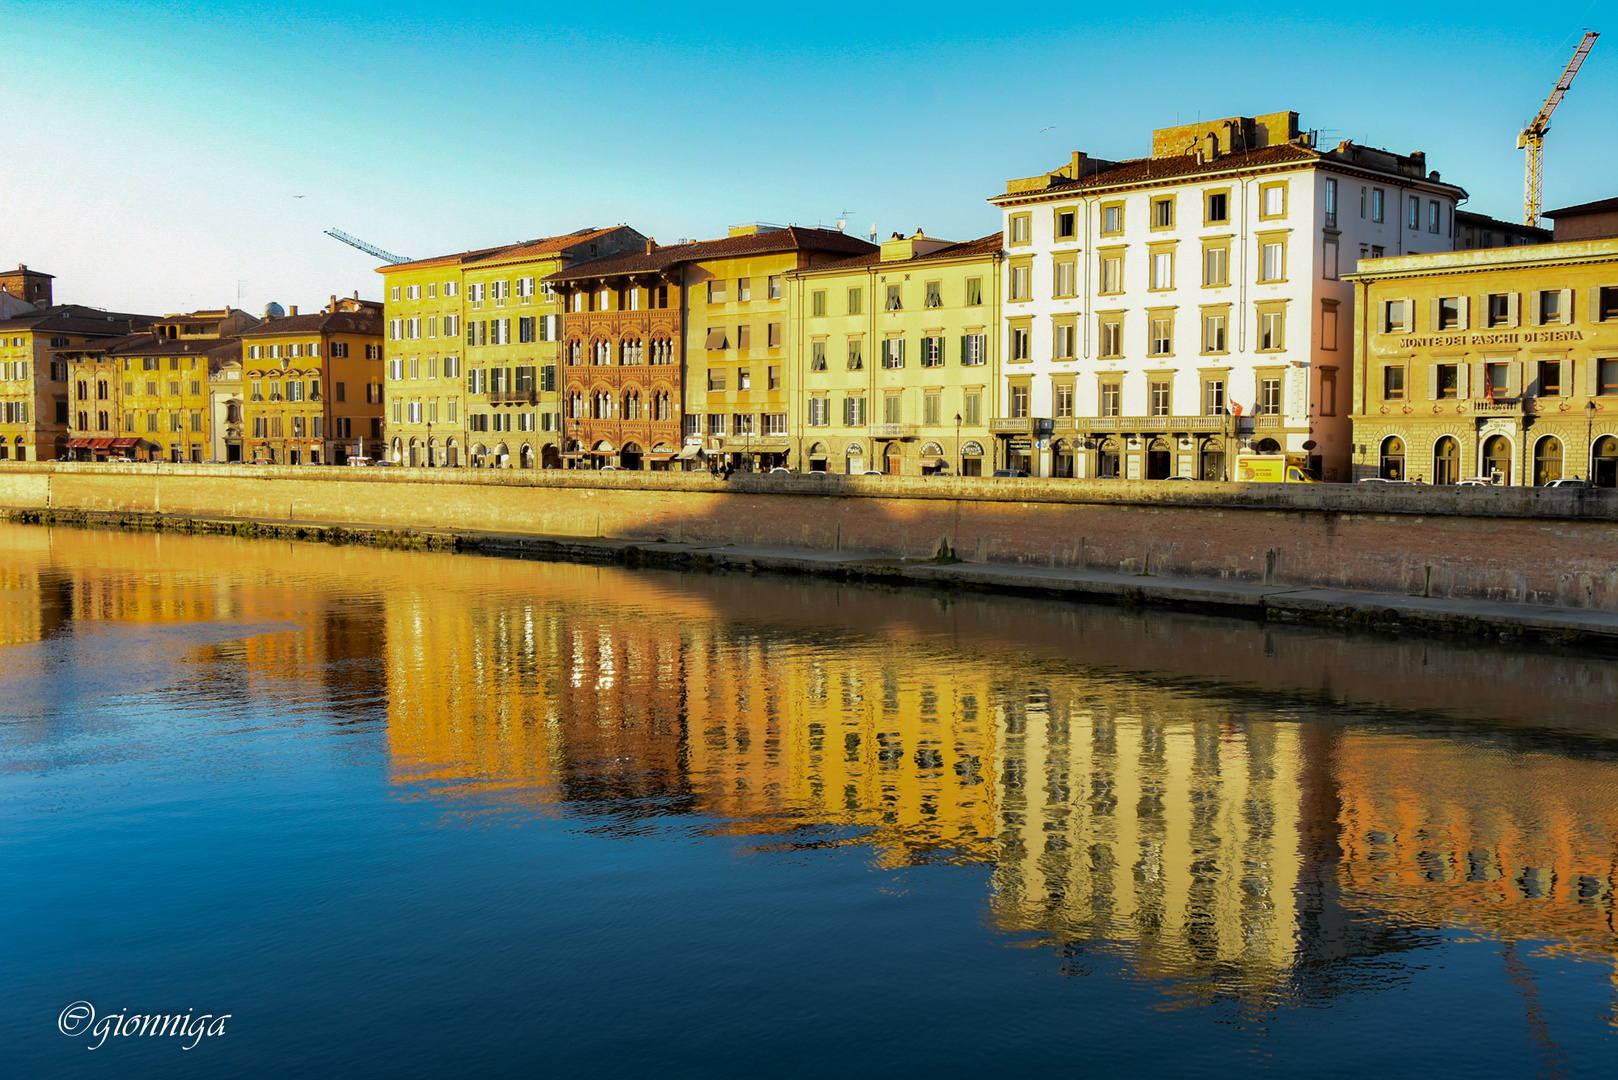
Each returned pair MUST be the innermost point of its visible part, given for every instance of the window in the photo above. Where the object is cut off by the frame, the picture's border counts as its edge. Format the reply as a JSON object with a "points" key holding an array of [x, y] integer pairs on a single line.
{"points": [[716, 291], [1413, 221], [1066, 343], [525, 330], [1393, 383], [773, 286], [1606, 303], [1213, 397], [1112, 395], [716, 379], [744, 290], [1163, 213], [1163, 270], [744, 379], [716, 423], [1273, 262], [1062, 400], [932, 352], [1396, 317], [1499, 309], [972, 407], [1216, 265], [1112, 336], [1021, 227], [1606, 372], [1273, 200], [1019, 343], [1498, 379], [394, 295], [744, 337], [1019, 402], [893, 302], [1218, 207], [1269, 397], [935, 294], [974, 291], [1272, 330], [855, 298], [893, 408], [1331, 204], [1213, 333], [772, 375], [1112, 274], [1550, 378], [1447, 381], [1449, 313], [1066, 225], [818, 413], [1112, 218], [742, 424], [854, 411], [1019, 282], [1162, 340], [1550, 308], [817, 356], [817, 303], [1378, 198], [1159, 396], [1433, 214], [856, 358], [931, 408], [974, 349], [1066, 277]]}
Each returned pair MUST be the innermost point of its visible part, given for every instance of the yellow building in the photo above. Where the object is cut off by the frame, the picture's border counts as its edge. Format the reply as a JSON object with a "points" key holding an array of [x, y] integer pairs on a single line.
{"points": [[472, 354], [894, 357], [149, 395], [35, 407], [738, 392], [314, 385], [1500, 363]]}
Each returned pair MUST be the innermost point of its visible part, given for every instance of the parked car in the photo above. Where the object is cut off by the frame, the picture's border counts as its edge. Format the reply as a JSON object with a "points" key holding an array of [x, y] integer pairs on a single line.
{"points": [[1475, 481], [1011, 472], [872, 472], [779, 471], [360, 461], [1182, 478], [1574, 482]]}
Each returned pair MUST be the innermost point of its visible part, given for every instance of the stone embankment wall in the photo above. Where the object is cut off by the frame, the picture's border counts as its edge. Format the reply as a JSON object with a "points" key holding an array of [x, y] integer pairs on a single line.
{"points": [[1527, 545]]}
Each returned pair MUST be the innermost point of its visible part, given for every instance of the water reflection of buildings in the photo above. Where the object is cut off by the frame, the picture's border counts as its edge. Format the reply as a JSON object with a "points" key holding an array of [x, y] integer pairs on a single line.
{"points": [[1223, 822]]}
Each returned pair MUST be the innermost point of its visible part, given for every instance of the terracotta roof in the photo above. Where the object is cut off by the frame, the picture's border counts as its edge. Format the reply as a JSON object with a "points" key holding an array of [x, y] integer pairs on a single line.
{"points": [[101, 326], [1600, 206], [791, 238], [331, 322], [550, 245], [438, 260], [986, 245]]}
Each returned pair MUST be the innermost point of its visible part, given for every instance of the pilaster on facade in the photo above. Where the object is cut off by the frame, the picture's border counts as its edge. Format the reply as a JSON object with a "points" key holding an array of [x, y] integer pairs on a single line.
{"points": [[1170, 311]]}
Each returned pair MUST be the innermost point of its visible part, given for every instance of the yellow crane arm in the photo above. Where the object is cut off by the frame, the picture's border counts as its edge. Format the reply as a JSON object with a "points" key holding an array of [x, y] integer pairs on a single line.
{"points": [[1532, 137]]}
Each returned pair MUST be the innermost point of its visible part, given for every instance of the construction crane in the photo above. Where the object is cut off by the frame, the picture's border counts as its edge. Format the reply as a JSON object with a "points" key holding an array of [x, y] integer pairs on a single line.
{"points": [[1532, 138], [369, 249]]}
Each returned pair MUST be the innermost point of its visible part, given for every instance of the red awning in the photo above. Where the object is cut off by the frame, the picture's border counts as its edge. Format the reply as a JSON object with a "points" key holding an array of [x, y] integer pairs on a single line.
{"points": [[123, 444], [76, 443], [101, 444], [658, 457]]}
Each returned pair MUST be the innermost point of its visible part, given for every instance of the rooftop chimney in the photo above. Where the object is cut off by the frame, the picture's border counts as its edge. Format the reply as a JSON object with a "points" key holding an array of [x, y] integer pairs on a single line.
{"points": [[651, 245], [293, 309]]}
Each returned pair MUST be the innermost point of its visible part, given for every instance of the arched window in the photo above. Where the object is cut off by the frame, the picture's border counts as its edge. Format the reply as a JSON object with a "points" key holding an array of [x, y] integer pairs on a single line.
{"points": [[1604, 465], [1547, 460], [1497, 459], [575, 351], [84, 421], [1446, 461], [1391, 462]]}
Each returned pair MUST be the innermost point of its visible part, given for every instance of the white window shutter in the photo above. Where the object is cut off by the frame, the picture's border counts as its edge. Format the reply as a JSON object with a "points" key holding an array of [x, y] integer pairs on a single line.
{"points": [[1432, 382], [1533, 308], [1567, 307], [1592, 370], [1434, 315], [1594, 313], [1514, 309], [1463, 311], [1513, 379]]}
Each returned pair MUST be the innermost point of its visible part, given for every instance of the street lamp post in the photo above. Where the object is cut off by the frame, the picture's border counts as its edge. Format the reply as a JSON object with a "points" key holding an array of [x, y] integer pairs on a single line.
{"points": [[430, 461], [960, 462], [1589, 436]]}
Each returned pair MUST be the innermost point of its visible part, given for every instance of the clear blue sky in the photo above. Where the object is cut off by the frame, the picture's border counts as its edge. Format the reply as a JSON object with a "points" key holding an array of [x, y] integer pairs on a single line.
{"points": [[154, 152]]}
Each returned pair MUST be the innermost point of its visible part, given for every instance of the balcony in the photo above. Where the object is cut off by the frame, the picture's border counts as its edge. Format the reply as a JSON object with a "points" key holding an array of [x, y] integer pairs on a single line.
{"points": [[893, 431], [1011, 425], [513, 397], [1268, 423], [1497, 407]]}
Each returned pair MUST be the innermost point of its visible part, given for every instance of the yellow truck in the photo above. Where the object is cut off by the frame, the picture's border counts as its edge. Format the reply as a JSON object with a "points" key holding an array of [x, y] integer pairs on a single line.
{"points": [[1274, 469]]}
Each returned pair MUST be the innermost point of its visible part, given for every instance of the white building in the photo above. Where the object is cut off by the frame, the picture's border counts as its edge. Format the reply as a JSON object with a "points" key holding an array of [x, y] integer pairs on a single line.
{"points": [[1147, 300]]}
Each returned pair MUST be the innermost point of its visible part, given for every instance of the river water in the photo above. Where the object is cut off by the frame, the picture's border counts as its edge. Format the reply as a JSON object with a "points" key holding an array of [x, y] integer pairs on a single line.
{"points": [[419, 814]]}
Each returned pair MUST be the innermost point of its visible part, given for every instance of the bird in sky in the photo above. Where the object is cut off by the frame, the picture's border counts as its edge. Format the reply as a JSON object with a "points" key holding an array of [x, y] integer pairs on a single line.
{"points": [[1042, 131], [297, 196]]}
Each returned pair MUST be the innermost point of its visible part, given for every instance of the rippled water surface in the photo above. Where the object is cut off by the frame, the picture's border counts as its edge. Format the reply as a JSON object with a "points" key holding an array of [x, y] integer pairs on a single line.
{"points": [[416, 814]]}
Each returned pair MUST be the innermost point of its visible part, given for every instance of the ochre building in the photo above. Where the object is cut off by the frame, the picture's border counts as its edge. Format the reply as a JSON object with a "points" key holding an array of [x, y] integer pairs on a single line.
{"points": [[314, 385], [1500, 363]]}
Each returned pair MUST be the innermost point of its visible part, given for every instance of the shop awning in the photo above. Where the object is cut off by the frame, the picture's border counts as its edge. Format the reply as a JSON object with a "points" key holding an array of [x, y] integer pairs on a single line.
{"points": [[572, 454], [689, 453], [657, 457], [123, 444], [931, 462], [757, 446], [80, 443]]}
